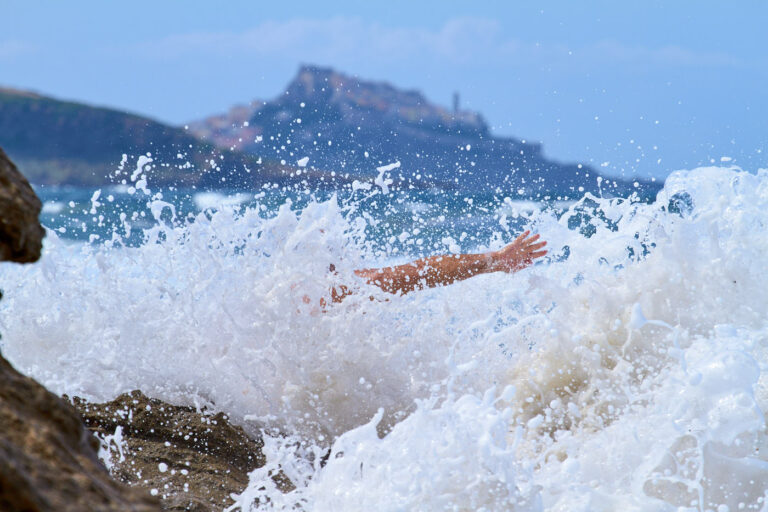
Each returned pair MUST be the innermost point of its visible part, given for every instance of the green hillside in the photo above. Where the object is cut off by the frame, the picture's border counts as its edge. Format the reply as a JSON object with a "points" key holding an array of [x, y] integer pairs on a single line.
{"points": [[57, 142]]}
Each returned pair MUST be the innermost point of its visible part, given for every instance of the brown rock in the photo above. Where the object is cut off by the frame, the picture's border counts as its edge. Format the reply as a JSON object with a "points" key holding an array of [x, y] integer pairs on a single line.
{"points": [[21, 235], [48, 458], [204, 457]]}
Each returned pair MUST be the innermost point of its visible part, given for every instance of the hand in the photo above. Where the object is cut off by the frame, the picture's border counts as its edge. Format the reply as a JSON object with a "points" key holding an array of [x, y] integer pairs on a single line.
{"points": [[517, 255]]}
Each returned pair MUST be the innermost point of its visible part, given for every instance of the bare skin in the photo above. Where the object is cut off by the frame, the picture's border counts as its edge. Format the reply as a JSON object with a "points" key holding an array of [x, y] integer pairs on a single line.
{"points": [[450, 268]]}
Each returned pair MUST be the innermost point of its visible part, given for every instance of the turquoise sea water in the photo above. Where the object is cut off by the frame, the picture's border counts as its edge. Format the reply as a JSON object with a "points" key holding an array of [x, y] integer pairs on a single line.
{"points": [[400, 222]]}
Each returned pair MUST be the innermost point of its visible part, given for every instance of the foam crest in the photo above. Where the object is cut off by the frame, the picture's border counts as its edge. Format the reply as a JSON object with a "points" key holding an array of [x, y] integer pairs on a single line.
{"points": [[447, 456], [633, 362]]}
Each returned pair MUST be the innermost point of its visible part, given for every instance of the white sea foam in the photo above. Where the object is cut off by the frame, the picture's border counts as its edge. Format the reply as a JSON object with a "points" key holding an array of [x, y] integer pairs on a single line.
{"points": [[514, 208], [204, 200], [629, 375], [53, 207]]}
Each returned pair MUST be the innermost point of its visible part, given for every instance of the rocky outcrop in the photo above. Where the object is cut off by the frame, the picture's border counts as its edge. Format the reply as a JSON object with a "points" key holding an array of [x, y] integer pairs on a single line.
{"points": [[191, 460], [48, 459], [345, 124], [21, 235]]}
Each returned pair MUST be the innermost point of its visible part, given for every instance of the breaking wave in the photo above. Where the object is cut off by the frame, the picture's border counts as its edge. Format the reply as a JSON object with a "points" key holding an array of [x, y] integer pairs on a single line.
{"points": [[626, 372]]}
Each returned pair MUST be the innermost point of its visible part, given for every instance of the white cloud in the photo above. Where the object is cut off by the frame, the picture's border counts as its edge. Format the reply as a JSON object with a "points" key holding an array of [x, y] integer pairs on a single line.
{"points": [[340, 38], [460, 41]]}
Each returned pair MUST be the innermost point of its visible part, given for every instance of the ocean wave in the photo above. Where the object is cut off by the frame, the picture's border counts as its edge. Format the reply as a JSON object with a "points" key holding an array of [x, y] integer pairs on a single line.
{"points": [[628, 371]]}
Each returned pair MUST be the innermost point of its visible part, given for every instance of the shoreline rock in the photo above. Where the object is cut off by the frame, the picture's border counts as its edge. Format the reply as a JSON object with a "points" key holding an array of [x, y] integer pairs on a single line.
{"points": [[191, 460], [48, 459], [21, 235]]}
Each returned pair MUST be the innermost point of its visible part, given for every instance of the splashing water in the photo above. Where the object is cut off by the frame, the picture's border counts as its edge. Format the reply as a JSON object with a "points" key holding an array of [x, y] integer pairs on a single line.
{"points": [[628, 372]]}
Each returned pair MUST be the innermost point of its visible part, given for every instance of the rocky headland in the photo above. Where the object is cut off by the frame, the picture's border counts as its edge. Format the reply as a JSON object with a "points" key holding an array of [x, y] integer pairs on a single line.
{"points": [[325, 130], [352, 126], [56, 142]]}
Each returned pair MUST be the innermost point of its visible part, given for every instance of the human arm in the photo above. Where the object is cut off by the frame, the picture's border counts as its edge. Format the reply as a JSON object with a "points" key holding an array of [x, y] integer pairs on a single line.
{"points": [[447, 269]]}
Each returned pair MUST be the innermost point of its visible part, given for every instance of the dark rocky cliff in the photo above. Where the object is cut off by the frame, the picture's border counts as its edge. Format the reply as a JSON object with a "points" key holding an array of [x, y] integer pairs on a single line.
{"points": [[348, 125], [58, 142], [345, 126]]}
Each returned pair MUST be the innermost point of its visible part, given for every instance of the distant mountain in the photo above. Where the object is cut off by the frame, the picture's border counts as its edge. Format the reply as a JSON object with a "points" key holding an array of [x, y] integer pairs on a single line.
{"points": [[326, 129], [65, 143], [344, 124]]}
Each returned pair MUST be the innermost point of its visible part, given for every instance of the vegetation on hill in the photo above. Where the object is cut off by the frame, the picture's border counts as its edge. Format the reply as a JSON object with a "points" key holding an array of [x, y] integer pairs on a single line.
{"points": [[65, 143]]}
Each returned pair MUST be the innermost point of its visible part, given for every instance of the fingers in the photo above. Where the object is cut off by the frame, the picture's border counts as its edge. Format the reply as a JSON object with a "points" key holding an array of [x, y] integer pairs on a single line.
{"points": [[522, 236], [524, 240], [527, 247], [534, 247]]}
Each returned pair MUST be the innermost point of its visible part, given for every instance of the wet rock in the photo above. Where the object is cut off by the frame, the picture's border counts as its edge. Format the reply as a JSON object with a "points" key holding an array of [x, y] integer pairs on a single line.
{"points": [[21, 235], [48, 459], [191, 460]]}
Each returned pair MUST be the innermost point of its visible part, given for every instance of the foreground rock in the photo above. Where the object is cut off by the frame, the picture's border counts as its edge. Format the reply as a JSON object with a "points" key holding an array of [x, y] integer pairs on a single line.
{"points": [[21, 235], [192, 461], [48, 459]]}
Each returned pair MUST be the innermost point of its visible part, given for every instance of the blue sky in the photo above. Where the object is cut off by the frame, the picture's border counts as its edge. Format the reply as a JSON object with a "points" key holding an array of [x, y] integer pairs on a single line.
{"points": [[636, 88]]}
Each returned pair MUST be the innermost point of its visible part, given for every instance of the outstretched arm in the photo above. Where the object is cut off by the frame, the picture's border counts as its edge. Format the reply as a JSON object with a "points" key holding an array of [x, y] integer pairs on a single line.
{"points": [[447, 269]]}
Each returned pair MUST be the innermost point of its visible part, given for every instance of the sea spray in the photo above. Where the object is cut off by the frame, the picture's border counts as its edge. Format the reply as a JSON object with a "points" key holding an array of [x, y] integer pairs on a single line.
{"points": [[637, 352], [454, 454]]}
